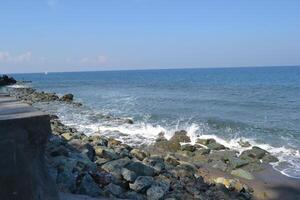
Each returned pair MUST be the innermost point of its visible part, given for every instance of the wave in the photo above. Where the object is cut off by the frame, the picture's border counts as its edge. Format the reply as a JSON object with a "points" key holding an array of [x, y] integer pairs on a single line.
{"points": [[143, 132]]}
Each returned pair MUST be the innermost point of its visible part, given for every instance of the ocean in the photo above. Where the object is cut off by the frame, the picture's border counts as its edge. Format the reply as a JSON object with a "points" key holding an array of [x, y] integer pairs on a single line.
{"points": [[259, 105]]}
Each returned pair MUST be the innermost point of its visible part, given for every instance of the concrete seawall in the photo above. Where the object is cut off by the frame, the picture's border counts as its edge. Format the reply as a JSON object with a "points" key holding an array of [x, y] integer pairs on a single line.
{"points": [[24, 132]]}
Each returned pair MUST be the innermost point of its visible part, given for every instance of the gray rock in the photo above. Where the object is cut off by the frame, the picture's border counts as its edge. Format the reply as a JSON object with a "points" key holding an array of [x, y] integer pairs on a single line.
{"points": [[115, 189], [115, 167], [128, 175], [180, 136], [141, 184], [104, 152], [202, 151], [269, 159], [254, 153], [140, 169], [155, 192], [67, 97], [244, 143], [89, 187], [215, 146]]}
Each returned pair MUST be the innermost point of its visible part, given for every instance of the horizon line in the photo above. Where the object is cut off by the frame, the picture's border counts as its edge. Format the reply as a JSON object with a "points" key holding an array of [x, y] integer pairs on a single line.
{"points": [[153, 69]]}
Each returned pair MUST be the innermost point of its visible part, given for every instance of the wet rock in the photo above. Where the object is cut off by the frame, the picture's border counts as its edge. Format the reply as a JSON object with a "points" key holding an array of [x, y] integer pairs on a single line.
{"points": [[140, 169], [244, 144], [139, 154], [67, 98], [89, 187], [112, 142], [172, 160], [205, 141], [128, 175], [59, 151], [215, 146], [254, 153], [188, 147], [180, 136], [269, 159], [97, 140], [242, 174], [141, 184], [128, 121]]}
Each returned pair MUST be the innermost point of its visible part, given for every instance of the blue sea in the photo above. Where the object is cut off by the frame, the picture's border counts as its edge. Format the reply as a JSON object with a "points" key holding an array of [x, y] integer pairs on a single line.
{"points": [[259, 105]]}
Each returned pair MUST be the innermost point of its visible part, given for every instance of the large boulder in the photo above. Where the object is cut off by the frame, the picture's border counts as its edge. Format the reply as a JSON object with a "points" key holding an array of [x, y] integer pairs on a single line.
{"points": [[254, 153], [89, 187], [242, 174], [115, 167], [180, 136]]}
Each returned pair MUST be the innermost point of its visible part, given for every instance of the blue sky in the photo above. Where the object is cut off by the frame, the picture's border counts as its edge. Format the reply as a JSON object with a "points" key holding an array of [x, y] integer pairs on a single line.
{"points": [[80, 35]]}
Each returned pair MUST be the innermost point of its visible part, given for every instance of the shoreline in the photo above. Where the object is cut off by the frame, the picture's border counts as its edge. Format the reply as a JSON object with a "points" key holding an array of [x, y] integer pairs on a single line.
{"points": [[266, 183]]}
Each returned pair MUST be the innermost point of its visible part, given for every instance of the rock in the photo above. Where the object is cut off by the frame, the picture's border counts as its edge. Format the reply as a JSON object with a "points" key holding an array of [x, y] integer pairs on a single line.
{"points": [[104, 152], [219, 164], [139, 154], [59, 151], [128, 121], [242, 174], [67, 136], [155, 192], [140, 169], [269, 159], [205, 141], [180, 136], [97, 140], [100, 161], [172, 160], [89, 187], [167, 146], [184, 170], [133, 196], [188, 147], [67, 98], [202, 151], [115, 167], [237, 163], [112, 142], [244, 144], [157, 162], [141, 184], [114, 189], [254, 153], [5, 80], [215, 146], [128, 175]]}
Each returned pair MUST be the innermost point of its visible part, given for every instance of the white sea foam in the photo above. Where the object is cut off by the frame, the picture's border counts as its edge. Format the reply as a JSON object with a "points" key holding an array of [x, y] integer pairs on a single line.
{"points": [[18, 86]]}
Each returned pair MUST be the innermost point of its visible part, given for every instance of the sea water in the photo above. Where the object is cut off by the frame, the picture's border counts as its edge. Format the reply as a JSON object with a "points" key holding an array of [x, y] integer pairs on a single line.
{"points": [[259, 105]]}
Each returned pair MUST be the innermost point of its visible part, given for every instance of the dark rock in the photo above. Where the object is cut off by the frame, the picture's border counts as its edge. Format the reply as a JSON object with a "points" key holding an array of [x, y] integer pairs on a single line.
{"points": [[128, 121], [114, 189], [269, 159], [244, 143], [5, 80], [141, 184], [140, 169], [89, 187], [67, 98], [104, 152]]}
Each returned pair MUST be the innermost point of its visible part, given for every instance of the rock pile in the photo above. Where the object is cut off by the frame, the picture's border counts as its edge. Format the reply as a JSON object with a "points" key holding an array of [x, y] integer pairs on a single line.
{"points": [[5, 80]]}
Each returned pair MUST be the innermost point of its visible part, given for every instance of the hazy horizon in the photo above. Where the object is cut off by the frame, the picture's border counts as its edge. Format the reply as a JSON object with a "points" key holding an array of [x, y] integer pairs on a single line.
{"points": [[64, 35]]}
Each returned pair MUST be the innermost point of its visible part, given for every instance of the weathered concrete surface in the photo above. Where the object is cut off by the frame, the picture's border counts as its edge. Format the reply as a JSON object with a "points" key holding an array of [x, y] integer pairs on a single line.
{"points": [[23, 135]]}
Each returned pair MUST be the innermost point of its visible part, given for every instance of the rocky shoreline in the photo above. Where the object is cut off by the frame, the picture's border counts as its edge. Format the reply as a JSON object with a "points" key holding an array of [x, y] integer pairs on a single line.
{"points": [[168, 169]]}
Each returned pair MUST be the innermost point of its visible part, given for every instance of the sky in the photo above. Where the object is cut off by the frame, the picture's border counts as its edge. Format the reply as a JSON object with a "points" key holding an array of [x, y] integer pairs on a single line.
{"points": [[84, 35]]}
